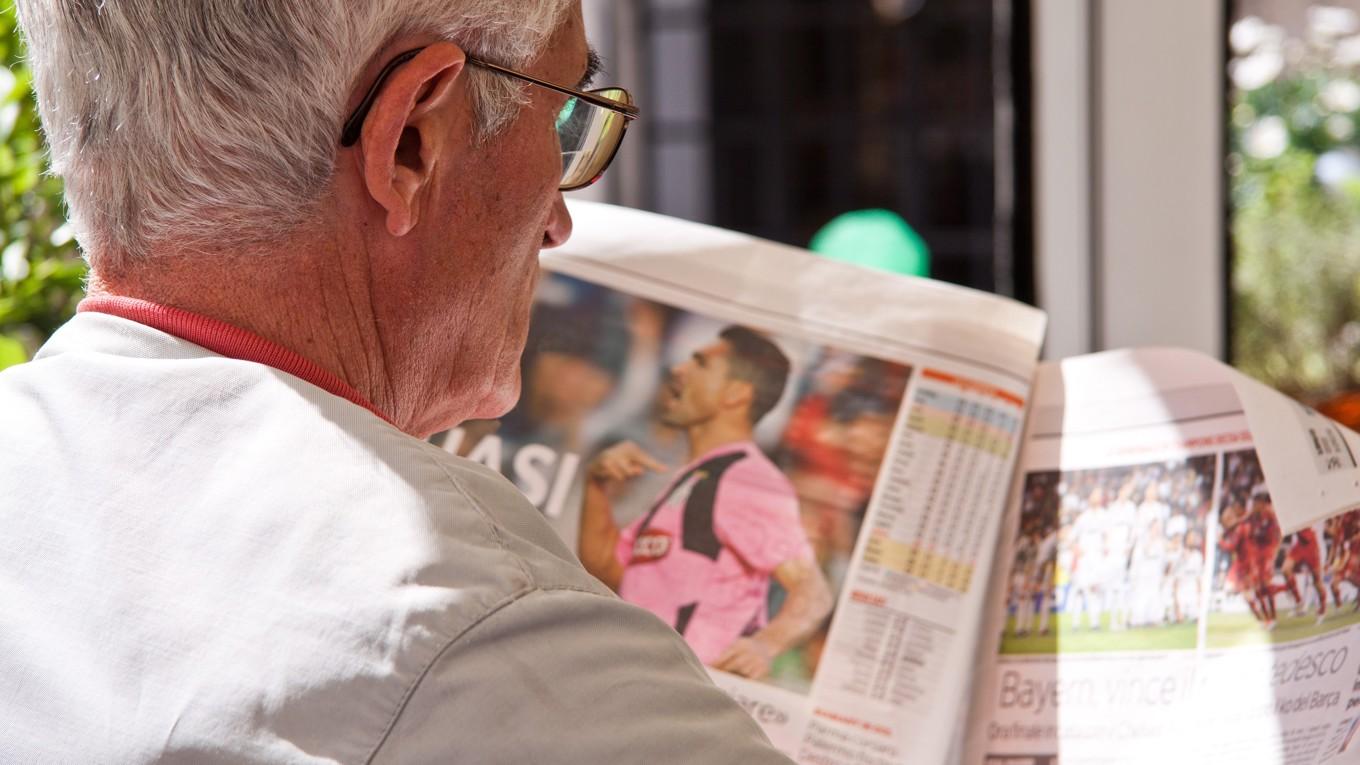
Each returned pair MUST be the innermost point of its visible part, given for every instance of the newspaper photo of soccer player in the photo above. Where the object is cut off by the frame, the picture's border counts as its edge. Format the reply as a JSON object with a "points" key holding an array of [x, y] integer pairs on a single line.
{"points": [[712, 473], [1109, 559], [1273, 587]]}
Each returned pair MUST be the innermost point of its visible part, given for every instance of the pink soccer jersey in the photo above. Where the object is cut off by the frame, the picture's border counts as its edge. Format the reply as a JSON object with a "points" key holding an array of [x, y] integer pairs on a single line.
{"points": [[702, 558]]}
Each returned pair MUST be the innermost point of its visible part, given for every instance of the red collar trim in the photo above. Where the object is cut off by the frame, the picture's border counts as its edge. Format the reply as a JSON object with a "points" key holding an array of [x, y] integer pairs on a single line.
{"points": [[225, 340]]}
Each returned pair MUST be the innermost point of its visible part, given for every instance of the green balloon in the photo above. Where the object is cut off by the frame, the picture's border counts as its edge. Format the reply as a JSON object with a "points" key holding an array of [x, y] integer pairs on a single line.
{"points": [[875, 239]]}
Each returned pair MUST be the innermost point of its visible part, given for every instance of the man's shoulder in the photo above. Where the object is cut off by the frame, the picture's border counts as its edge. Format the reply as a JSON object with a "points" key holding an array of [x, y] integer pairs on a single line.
{"points": [[536, 673], [270, 539], [113, 392], [518, 527]]}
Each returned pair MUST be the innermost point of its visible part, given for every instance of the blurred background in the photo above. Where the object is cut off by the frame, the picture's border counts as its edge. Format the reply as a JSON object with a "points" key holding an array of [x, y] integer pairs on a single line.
{"points": [[1160, 172], [1294, 194], [773, 117]]}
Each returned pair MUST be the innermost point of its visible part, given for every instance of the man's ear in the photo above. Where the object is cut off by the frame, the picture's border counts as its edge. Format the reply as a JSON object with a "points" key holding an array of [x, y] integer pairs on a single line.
{"points": [[411, 129], [738, 393]]}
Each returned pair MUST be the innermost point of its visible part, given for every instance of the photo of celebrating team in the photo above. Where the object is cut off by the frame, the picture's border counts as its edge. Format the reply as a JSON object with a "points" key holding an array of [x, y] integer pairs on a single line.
{"points": [[1109, 559], [1269, 586]]}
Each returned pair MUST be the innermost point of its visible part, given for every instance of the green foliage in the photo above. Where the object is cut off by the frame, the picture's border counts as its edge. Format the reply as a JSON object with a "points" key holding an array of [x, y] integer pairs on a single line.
{"points": [[11, 352], [1296, 281], [41, 272], [1295, 192]]}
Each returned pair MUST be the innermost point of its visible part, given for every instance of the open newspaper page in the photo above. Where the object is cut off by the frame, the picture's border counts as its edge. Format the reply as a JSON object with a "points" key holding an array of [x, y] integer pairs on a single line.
{"points": [[801, 466], [1179, 576]]}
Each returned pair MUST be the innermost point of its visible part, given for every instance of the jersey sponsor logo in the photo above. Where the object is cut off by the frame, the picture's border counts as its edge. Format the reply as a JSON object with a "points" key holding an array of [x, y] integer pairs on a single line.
{"points": [[651, 545]]}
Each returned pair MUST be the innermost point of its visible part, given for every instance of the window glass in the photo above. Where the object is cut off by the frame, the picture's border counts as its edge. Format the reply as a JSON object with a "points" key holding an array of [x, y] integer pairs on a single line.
{"points": [[1294, 184], [776, 117]]}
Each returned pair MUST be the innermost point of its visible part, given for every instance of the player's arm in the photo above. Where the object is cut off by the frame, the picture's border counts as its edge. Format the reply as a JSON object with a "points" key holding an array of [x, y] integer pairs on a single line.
{"points": [[808, 603], [1332, 536], [1228, 542], [598, 538], [1343, 557]]}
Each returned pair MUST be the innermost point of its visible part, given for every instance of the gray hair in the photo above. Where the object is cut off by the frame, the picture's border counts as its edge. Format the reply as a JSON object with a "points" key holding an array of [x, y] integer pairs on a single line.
{"points": [[196, 124]]}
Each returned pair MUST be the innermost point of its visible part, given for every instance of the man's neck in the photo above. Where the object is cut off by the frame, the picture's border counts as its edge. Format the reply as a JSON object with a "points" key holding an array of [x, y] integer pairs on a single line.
{"points": [[716, 433], [286, 305]]}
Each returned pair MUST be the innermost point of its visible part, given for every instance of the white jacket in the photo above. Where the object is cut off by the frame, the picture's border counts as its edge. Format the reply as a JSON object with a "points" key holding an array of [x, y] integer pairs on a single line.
{"points": [[206, 560]]}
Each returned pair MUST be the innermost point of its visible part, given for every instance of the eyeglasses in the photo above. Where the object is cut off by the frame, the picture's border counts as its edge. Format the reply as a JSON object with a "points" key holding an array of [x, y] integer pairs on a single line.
{"points": [[590, 125]]}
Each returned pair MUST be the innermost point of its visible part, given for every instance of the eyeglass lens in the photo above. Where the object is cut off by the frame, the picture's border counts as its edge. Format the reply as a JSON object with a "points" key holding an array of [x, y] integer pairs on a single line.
{"points": [[590, 136]]}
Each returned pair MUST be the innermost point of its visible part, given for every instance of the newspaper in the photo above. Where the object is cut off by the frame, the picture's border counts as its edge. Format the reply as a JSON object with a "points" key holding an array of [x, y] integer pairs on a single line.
{"points": [[1179, 575], [868, 510]]}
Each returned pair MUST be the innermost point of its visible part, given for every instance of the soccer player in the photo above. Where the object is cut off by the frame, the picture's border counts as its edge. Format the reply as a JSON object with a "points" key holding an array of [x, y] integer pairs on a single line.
{"points": [[1346, 561], [1046, 559], [1235, 540], [1089, 562], [1120, 537], [1187, 571], [1147, 572], [1263, 542], [727, 523], [1022, 573], [1153, 505], [1304, 552]]}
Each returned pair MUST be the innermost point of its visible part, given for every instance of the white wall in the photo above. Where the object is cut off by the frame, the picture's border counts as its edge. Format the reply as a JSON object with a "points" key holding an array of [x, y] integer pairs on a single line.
{"points": [[1062, 174], [1142, 121]]}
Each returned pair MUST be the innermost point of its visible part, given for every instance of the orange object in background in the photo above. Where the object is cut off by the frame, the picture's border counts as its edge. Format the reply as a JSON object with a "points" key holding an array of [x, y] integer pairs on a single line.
{"points": [[1344, 408]]}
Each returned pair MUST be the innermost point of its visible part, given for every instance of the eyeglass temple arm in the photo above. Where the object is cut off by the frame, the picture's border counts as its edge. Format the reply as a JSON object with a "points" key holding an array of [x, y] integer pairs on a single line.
{"points": [[354, 127], [627, 110]]}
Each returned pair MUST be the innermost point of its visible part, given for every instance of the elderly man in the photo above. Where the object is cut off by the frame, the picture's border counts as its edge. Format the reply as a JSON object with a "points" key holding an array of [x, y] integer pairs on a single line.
{"points": [[313, 230]]}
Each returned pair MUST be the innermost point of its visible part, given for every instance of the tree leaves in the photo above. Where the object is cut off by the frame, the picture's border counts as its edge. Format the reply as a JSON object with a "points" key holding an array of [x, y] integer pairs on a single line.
{"points": [[41, 272], [1296, 226]]}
